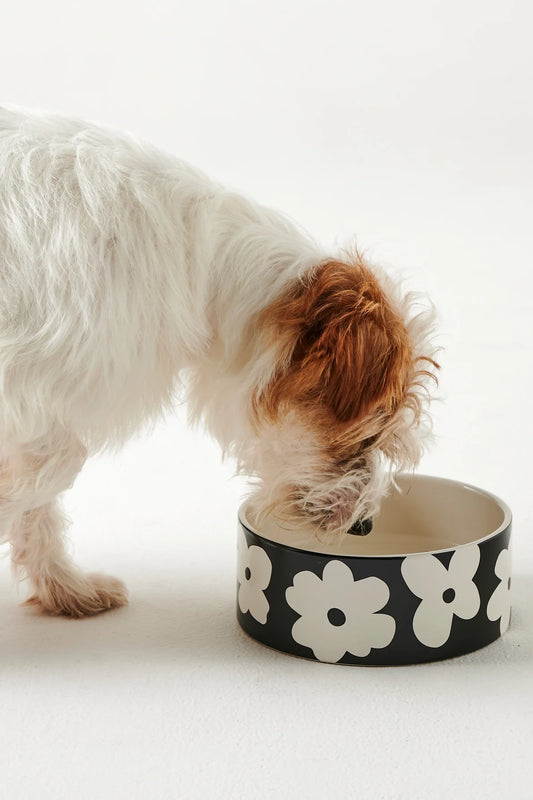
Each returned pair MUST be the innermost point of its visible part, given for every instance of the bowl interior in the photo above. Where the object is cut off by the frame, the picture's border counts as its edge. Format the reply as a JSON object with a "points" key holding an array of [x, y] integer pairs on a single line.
{"points": [[428, 514]]}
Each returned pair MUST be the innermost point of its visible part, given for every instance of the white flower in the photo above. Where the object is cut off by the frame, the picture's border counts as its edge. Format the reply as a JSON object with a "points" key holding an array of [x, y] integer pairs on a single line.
{"points": [[254, 570], [338, 612], [444, 592], [499, 605]]}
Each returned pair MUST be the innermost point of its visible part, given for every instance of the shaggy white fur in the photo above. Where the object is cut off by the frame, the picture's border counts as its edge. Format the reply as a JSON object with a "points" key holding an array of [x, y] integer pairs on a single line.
{"points": [[126, 278]]}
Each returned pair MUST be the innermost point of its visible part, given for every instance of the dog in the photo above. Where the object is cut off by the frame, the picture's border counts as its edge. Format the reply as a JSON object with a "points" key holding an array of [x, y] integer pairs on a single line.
{"points": [[127, 278]]}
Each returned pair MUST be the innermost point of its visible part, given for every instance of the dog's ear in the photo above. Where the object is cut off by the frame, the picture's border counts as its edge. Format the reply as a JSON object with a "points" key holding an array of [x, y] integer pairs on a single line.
{"points": [[350, 349]]}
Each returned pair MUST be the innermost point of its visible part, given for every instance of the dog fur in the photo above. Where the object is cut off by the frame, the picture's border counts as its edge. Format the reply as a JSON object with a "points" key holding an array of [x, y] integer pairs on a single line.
{"points": [[128, 277]]}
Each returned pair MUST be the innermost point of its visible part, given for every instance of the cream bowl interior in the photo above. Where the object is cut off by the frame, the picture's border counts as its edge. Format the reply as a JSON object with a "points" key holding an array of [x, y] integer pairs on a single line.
{"points": [[425, 514]]}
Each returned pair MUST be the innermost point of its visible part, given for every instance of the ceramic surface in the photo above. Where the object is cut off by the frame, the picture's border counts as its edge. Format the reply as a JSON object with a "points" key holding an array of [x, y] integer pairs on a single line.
{"points": [[431, 581]]}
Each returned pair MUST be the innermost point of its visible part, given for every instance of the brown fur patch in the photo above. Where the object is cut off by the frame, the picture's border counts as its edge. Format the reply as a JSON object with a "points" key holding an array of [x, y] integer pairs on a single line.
{"points": [[349, 350]]}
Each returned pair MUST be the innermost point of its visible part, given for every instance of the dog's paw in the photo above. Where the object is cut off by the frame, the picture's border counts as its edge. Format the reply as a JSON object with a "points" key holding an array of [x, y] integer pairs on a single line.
{"points": [[81, 596]]}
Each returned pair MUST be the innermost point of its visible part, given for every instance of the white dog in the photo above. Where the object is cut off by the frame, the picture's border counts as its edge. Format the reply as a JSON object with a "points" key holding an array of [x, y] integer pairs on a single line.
{"points": [[126, 276]]}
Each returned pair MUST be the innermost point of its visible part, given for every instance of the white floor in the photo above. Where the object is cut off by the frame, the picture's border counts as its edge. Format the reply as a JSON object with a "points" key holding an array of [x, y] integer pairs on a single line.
{"points": [[409, 126]]}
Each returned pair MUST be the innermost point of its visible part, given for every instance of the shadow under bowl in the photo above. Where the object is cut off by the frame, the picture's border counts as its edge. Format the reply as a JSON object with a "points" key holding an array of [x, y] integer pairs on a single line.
{"points": [[431, 581]]}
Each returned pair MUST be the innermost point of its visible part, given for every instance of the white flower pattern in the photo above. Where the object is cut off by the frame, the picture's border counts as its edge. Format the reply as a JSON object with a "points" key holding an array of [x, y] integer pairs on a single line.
{"points": [[499, 605], [445, 593], [254, 570], [338, 614]]}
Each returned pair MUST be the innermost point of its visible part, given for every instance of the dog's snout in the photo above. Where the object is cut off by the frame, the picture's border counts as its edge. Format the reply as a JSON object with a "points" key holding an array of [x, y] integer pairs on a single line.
{"points": [[361, 528]]}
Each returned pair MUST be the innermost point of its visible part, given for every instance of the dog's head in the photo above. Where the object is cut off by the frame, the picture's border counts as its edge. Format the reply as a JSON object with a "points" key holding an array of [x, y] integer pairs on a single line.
{"points": [[347, 402]]}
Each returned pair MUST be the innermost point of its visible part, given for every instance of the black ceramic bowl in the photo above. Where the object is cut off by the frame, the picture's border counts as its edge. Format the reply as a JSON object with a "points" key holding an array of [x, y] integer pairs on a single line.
{"points": [[432, 580]]}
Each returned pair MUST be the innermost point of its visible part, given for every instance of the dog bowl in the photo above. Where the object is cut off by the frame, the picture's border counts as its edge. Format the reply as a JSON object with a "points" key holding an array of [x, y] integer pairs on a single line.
{"points": [[431, 581]]}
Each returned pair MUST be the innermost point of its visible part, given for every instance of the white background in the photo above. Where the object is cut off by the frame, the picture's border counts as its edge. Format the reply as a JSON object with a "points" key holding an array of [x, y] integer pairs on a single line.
{"points": [[409, 126]]}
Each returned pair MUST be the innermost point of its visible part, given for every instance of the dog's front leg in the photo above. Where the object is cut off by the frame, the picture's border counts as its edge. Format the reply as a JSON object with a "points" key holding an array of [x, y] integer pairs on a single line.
{"points": [[30, 514]]}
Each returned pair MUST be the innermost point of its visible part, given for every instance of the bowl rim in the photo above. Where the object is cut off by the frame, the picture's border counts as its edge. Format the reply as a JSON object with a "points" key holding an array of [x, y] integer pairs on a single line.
{"points": [[507, 520]]}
